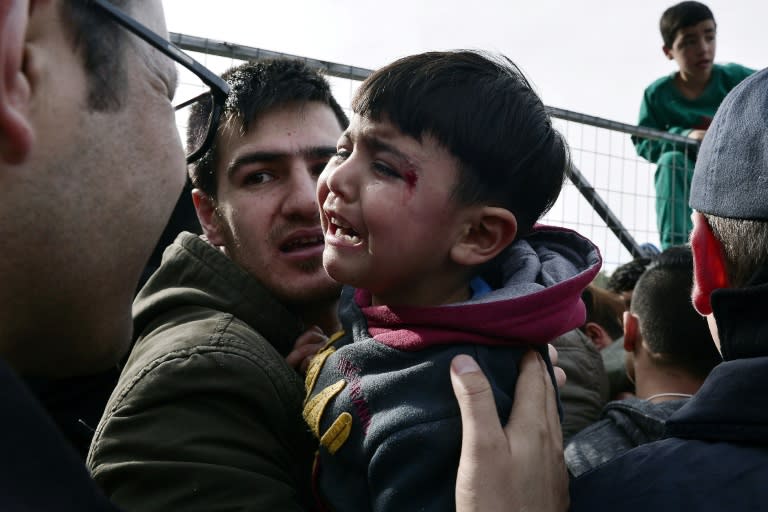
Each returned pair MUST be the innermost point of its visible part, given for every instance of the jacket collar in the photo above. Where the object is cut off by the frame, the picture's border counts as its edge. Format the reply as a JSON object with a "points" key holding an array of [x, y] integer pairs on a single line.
{"points": [[543, 274], [741, 318], [730, 406], [196, 274]]}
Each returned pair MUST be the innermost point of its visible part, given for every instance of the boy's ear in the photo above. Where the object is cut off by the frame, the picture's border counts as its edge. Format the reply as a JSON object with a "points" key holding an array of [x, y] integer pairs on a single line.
{"points": [[709, 268], [16, 134], [209, 218], [667, 52], [487, 232], [631, 331]]}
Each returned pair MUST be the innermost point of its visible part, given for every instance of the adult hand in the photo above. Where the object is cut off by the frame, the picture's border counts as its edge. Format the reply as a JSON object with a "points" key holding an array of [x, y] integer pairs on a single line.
{"points": [[697, 134], [519, 467], [305, 348]]}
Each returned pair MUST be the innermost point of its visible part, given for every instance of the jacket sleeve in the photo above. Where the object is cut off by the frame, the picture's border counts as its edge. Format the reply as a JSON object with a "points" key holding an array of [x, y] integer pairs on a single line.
{"points": [[652, 149], [204, 431]]}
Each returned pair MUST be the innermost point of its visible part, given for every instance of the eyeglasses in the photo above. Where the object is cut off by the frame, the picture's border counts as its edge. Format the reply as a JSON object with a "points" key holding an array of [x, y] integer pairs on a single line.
{"points": [[207, 106]]}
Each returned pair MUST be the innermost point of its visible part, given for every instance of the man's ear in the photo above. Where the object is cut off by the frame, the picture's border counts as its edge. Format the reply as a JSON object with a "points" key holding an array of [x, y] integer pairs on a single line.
{"points": [[16, 134], [599, 336], [487, 231], [709, 268], [209, 217], [667, 52], [631, 331]]}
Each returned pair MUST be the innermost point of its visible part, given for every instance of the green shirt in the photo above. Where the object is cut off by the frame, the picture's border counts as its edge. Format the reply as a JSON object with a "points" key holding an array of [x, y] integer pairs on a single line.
{"points": [[665, 108]]}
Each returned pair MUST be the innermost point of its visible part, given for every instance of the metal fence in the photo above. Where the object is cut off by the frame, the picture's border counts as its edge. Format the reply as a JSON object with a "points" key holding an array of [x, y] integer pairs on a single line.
{"points": [[609, 197]]}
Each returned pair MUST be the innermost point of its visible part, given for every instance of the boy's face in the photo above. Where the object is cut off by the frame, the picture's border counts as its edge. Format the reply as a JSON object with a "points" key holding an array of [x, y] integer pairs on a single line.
{"points": [[694, 49], [388, 215]]}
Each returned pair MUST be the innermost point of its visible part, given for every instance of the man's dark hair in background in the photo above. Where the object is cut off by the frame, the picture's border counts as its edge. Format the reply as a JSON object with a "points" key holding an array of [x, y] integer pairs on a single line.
{"points": [[624, 278]]}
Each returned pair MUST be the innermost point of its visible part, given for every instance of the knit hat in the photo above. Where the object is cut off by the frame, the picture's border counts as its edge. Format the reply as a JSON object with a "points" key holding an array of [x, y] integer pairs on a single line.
{"points": [[731, 174]]}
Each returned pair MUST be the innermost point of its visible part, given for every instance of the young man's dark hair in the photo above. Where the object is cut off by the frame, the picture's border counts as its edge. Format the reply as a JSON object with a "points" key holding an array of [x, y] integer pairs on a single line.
{"points": [[507, 159], [669, 324], [625, 277], [100, 42], [684, 14], [256, 87]]}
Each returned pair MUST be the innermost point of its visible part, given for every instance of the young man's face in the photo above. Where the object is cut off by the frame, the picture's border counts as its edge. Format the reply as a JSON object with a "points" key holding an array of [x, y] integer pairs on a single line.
{"points": [[388, 214], [694, 49], [267, 218]]}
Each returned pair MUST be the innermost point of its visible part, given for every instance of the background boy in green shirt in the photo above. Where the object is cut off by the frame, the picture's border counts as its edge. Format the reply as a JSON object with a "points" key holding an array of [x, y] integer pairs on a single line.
{"points": [[683, 103]]}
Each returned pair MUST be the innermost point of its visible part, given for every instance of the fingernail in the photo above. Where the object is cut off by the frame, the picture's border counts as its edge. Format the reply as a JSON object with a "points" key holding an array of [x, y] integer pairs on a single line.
{"points": [[464, 364]]}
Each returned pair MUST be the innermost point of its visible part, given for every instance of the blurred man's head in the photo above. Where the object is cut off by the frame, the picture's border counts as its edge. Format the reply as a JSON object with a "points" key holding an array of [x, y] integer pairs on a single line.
{"points": [[87, 187], [730, 234]]}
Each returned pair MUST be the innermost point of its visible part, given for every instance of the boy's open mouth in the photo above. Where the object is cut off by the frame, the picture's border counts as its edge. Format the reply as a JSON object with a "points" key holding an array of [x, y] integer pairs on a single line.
{"points": [[343, 231]]}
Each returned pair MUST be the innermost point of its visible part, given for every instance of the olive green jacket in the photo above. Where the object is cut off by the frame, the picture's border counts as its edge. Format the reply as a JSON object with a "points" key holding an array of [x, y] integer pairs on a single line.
{"points": [[206, 415]]}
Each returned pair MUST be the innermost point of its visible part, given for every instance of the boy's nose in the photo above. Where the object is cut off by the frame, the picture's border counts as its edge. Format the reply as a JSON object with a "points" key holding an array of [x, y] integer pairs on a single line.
{"points": [[341, 177]]}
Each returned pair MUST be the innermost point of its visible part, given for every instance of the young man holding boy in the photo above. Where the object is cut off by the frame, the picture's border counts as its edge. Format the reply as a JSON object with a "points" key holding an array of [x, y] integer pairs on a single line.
{"points": [[428, 208], [683, 103], [207, 413]]}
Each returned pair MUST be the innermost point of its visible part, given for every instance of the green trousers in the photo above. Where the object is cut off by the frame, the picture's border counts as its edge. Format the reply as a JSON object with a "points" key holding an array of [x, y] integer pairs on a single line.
{"points": [[673, 186]]}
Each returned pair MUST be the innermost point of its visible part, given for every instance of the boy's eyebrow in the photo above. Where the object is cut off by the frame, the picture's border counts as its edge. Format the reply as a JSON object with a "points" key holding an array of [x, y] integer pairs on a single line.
{"points": [[377, 144], [252, 157]]}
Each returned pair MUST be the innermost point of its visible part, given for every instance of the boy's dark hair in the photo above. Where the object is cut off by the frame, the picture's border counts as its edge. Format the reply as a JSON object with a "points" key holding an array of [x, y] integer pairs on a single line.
{"points": [[625, 276], [101, 43], [256, 87], [682, 15], [669, 324], [485, 113], [605, 309]]}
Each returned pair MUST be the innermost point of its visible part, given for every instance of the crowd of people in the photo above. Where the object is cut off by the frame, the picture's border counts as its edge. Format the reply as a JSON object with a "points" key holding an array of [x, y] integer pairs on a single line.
{"points": [[370, 316]]}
